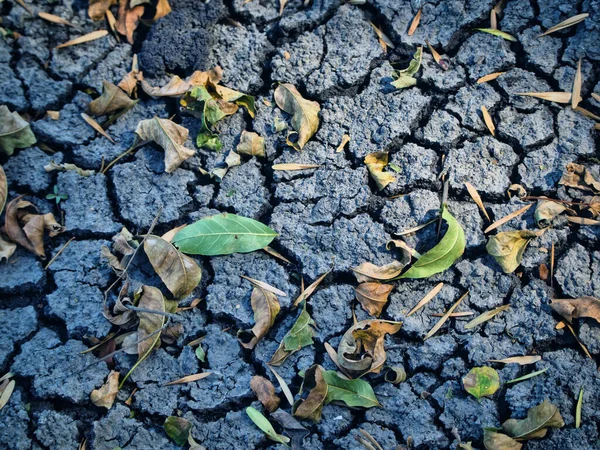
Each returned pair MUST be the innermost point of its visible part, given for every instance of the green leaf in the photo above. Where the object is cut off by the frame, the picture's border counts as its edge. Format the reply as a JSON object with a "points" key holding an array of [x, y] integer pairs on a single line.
{"points": [[14, 131], [200, 354], [443, 255], [481, 382], [405, 78], [178, 429], [299, 336], [539, 419], [578, 409], [263, 423], [498, 33], [208, 139], [239, 98], [508, 247], [223, 234], [351, 392]]}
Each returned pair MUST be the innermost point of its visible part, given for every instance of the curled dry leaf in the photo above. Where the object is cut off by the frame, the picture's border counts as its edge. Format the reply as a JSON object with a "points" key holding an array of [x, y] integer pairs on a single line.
{"points": [[65, 167], [508, 247], [481, 382], [535, 426], [113, 99], [373, 296], [176, 87], [85, 38], [180, 273], [15, 132], [251, 144], [579, 307], [361, 349], [266, 307], [170, 137], [311, 407], [566, 24], [375, 163], [405, 78], [395, 375], [546, 211], [129, 18], [97, 8], [492, 440], [106, 395], [305, 113], [231, 160], [370, 272], [579, 177], [292, 427], [130, 80], [300, 335], [265, 392]]}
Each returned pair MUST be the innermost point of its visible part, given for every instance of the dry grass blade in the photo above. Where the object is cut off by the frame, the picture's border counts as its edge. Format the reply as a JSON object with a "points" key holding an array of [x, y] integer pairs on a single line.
{"points": [[428, 297], [507, 218], [24, 5], [493, 19], [415, 229], [484, 317], [576, 93], [477, 199], [85, 38], [8, 390], [557, 97], [55, 19], [586, 351], [445, 317], [490, 77], [189, 378], [415, 23], [310, 289], [83, 444], [6, 376], [596, 96], [583, 221], [456, 314], [112, 22], [489, 123], [96, 126], [521, 360], [276, 254], [265, 286], [62, 249], [578, 408], [291, 167], [382, 37], [371, 439], [284, 387], [590, 115], [566, 24]]}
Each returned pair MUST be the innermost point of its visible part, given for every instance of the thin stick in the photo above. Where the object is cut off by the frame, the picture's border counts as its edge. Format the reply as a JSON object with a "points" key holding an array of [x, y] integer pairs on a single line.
{"points": [[122, 155], [366, 434], [57, 254]]}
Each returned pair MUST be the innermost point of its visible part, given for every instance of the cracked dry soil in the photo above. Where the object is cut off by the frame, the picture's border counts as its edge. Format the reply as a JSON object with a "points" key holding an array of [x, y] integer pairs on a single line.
{"points": [[333, 214]]}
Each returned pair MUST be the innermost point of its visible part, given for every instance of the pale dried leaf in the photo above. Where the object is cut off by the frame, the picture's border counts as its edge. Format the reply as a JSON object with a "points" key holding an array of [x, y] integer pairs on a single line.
{"points": [[265, 286], [251, 144], [444, 318], [343, 142], [54, 19], [507, 218], [310, 289], [426, 299], [557, 97], [521, 360], [484, 317], [85, 38], [189, 378], [291, 167], [489, 77], [566, 24], [477, 199], [106, 395], [96, 126], [489, 123], [415, 22]]}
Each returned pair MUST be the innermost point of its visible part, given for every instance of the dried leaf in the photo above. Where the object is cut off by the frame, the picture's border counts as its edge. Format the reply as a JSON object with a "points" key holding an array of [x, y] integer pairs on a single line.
{"points": [[521, 360], [484, 317], [170, 136], [106, 395], [292, 427], [180, 273], [34, 226], [539, 419], [489, 123], [128, 19], [305, 113], [300, 335], [176, 87], [481, 382], [578, 408], [130, 81], [546, 211], [251, 144], [426, 299], [498, 33], [162, 9], [292, 167], [276, 254], [489, 77], [284, 387], [516, 190], [395, 375], [65, 167], [310, 289], [576, 308], [265, 392], [443, 63], [415, 22], [6, 249], [6, 393], [178, 429], [579, 177], [98, 8], [361, 349], [261, 422], [373, 296], [576, 92], [477, 199], [493, 440], [444, 318], [112, 99], [375, 163], [231, 160], [343, 142], [85, 38], [14, 131], [386, 42], [507, 218], [265, 286], [3, 189], [508, 247], [310, 408], [566, 24], [583, 221], [96, 126], [54, 19], [557, 97], [266, 307], [370, 272], [405, 78], [189, 378], [223, 234]]}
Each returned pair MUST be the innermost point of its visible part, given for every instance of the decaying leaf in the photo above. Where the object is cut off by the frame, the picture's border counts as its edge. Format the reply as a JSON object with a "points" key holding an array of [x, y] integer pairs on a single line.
{"points": [[178, 429], [180, 273], [370, 272], [375, 163], [113, 99], [444, 254], [498, 33], [405, 78], [481, 382], [352, 393], [176, 87], [566, 23], [85, 38], [539, 419], [489, 123], [263, 423], [293, 167], [305, 113], [162, 9], [556, 97], [576, 92], [310, 408], [129, 18], [106, 395], [15, 132], [170, 137], [477, 199], [516, 190], [546, 211], [96, 126], [231, 160], [489, 77], [508, 247], [361, 349], [130, 80], [251, 144], [65, 167], [579, 177], [300, 335], [373, 296], [521, 360], [415, 22], [579, 307], [492, 440], [266, 307], [265, 392], [292, 427], [223, 234], [54, 19], [484, 317]]}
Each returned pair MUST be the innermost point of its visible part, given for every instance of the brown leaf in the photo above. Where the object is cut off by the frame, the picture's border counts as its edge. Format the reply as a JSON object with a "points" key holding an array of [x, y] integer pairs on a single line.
{"points": [[97, 8], [489, 123], [34, 226], [128, 19], [361, 349], [170, 137], [576, 92], [575, 308], [54, 19], [557, 97], [112, 99], [312, 406], [373, 296], [577, 176], [370, 272], [415, 22], [265, 392], [106, 395], [130, 81], [162, 9], [85, 38], [96, 126], [443, 63], [507, 218], [251, 144], [150, 323], [305, 113], [310, 289], [375, 163], [178, 272], [489, 77], [3, 189], [477, 199], [176, 87], [266, 307], [583, 221]]}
